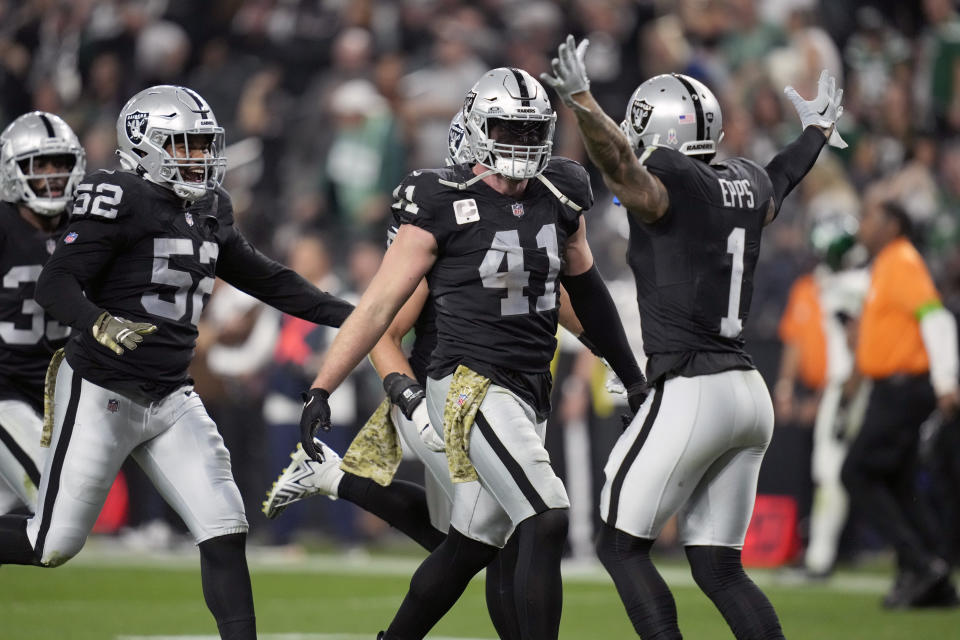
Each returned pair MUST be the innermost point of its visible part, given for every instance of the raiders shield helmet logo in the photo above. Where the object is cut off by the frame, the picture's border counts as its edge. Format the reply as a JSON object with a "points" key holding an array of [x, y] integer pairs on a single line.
{"points": [[136, 126], [455, 137], [640, 112], [468, 102]]}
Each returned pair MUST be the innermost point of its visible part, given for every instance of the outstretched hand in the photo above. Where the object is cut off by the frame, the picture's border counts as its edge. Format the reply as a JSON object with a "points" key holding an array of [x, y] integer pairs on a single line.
{"points": [[569, 72], [824, 110], [315, 415]]}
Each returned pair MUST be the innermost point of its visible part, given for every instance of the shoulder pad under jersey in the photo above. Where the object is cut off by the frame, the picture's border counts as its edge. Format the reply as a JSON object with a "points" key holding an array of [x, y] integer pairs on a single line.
{"points": [[571, 183]]}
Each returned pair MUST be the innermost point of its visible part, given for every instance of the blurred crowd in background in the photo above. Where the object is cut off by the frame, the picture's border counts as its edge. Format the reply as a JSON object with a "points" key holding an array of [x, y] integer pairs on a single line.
{"points": [[328, 103]]}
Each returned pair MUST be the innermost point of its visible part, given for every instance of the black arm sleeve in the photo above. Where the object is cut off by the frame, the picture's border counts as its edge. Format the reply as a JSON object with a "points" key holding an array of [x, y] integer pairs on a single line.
{"points": [[601, 323], [788, 167], [63, 278], [240, 264]]}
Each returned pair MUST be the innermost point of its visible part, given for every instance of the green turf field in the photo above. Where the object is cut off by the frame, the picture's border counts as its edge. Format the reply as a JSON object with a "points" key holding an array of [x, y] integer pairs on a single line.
{"points": [[329, 597]]}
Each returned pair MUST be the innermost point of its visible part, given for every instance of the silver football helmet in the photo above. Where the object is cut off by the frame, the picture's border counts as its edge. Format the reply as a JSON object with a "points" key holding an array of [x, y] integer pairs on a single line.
{"points": [[676, 111], [41, 163], [458, 151], [509, 123], [170, 136]]}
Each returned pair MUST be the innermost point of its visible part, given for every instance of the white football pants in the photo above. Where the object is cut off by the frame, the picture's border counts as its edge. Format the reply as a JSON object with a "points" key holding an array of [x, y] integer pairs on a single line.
{"points": [[173, 440], [436, 477], [507, 450], [21, 456], [694, 449]]}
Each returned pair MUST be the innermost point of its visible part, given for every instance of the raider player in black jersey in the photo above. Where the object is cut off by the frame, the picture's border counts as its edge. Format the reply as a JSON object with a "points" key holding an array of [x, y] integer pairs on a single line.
{"points": [[41, 164], [695, 447], [423, 513], [139, 258], [492, 239]]}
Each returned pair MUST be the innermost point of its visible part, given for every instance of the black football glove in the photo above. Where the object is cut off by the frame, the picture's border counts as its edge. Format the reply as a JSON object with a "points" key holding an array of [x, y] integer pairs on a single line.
{"points": [[404, 391], [408, 395], [315, 415], [636, 395]]}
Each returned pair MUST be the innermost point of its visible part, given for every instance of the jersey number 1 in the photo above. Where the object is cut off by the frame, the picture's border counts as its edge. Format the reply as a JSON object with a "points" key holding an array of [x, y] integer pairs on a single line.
{"points": [[515, 278], [731, 325]]}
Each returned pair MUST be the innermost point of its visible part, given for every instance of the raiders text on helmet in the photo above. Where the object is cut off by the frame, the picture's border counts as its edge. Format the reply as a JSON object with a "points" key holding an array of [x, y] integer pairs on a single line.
{"points": [[30, 137], [154, 122], [676, 111], [509, 123]]}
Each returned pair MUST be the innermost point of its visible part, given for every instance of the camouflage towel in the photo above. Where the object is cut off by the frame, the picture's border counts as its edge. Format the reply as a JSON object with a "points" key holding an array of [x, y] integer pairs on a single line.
{"points": [[467, 390], [49, 387], [376, 452]]}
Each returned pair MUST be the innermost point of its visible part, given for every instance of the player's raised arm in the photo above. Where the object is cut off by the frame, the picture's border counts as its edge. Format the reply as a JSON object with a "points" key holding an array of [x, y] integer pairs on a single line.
{"points": [[819, 118], [638, 190]]}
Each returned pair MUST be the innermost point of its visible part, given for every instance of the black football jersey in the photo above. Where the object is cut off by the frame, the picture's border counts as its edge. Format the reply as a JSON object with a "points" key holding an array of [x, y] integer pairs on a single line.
{"points": [[136, 250], [28, 335], [694, 267], [494, 283]]}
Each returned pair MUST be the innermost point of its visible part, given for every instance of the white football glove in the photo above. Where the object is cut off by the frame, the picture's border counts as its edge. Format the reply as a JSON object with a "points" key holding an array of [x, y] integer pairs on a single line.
{"points": [[427, 433], [613, 384], [824, 110], [569, 73]]}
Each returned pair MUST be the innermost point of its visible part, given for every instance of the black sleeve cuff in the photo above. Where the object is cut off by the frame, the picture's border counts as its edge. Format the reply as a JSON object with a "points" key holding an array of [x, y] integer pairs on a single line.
{"points": [[602, 327]]}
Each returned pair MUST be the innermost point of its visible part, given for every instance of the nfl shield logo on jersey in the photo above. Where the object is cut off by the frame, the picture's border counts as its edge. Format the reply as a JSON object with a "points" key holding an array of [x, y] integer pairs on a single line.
{"points": [[189, 218], [70, 237], [136, 126], [517, 209], [113, 405]]}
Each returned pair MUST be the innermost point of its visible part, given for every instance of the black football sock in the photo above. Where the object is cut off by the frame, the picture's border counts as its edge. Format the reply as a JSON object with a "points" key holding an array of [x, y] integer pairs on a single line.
{"points": [[719, 574], [500, 591], [539, 590], [438, 584], [400, 504], [226, 586], [15, 547], [649, 603]]}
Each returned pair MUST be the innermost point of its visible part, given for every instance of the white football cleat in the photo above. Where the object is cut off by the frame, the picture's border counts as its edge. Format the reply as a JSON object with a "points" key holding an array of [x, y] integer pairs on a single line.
{"points": [[304, 477]]}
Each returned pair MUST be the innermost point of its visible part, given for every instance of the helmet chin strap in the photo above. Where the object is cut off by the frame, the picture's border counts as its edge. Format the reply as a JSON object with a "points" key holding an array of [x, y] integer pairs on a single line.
{"points": [[463, 185]]}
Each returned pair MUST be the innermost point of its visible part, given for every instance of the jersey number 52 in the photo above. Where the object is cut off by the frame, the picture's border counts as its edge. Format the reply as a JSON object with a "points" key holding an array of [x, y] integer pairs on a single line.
{"points": [[163, 249]]}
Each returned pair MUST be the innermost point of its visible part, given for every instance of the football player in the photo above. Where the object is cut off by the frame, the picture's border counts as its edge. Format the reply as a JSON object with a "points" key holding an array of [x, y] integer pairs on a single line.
{"points": [[407, 507], [492, 237], [696, 445], [131, 276], [41, 164]]}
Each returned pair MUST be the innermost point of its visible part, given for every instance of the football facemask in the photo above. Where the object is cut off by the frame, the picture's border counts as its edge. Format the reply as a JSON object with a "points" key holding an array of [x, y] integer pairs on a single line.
{"points": [[170, 136], [509, 123], [41, 163]]}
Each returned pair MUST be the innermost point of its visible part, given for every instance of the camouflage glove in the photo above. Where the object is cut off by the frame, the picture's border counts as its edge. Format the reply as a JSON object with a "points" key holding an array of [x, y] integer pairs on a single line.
{"points": [[569, 73], [118, 334], [315, 415]]}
